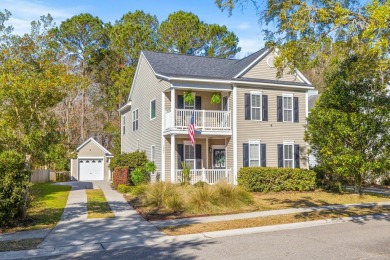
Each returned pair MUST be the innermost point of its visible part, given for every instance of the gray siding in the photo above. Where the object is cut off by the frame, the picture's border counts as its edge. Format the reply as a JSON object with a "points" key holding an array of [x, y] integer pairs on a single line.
{"points": [[263, 71], [270, 132], [146, 88]]}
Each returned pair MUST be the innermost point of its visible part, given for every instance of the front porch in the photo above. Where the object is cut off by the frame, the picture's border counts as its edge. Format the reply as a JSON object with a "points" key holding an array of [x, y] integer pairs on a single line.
{"points": [[207, 159]]}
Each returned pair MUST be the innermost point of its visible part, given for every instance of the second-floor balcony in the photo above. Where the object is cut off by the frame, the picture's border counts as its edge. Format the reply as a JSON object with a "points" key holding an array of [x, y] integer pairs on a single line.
{"points": [[204, 120]]}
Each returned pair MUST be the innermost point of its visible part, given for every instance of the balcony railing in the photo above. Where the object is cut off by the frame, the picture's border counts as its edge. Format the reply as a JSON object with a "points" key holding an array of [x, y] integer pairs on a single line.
{"points": [[210, 176], [203, 119]]}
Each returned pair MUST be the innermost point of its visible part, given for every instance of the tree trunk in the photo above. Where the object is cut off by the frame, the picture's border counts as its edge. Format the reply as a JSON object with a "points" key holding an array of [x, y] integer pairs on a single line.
{"points": [[82, 117]]}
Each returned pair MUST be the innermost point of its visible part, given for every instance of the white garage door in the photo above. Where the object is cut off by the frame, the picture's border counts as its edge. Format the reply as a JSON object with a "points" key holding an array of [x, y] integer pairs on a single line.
{"points": [[91, 169]]}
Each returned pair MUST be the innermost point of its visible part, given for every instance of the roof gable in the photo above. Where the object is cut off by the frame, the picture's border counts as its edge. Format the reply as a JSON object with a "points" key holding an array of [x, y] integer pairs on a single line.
{"points": [[108, 153]]}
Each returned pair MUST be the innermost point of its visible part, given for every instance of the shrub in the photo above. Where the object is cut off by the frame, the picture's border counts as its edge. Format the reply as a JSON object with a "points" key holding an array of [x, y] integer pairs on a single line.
{"points": [[122, 188], [158, 194], [228, 195], [131, 160], [201, 199], [14, 185], [120, 176], [265, 179], [140, 176]]}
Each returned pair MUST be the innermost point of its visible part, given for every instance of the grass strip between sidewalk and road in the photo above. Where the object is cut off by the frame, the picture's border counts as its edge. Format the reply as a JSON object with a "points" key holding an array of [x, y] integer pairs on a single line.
{"points": [[97, 205], [17, 245], [272, 220]]}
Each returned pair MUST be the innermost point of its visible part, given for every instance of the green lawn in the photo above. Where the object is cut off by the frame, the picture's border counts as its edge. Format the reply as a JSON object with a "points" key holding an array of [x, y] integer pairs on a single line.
{"points": [[46, 208], [97, 205]]}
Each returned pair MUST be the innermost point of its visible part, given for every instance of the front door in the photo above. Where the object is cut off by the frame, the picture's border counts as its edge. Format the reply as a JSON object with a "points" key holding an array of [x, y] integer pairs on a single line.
{"points": [[219, 159]]}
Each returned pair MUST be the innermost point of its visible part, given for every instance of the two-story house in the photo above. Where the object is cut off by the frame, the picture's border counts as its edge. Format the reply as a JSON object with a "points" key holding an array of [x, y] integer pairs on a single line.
{"points": [[260, 120]]}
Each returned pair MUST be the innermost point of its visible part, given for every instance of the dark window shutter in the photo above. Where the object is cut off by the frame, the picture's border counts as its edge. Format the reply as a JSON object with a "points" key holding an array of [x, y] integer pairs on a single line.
{"points": [[180, 102], [265, 108], [263, 154], [247, 107], [198, 103], [198, 156], [296, 110], [180, 155], [279, 111], [245, 156], [296, 155], [280, 155]]}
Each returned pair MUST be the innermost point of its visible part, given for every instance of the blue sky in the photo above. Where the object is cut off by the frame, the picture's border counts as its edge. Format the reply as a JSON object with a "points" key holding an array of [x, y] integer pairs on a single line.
{"points": [[243, 23]]}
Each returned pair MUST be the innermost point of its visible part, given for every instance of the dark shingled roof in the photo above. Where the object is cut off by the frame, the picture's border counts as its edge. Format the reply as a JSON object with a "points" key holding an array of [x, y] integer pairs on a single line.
{"points": [[177, 65]]}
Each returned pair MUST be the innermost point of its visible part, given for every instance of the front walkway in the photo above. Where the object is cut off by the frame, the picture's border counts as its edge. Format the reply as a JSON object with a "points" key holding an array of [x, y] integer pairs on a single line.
{"points": [[76, 229]]}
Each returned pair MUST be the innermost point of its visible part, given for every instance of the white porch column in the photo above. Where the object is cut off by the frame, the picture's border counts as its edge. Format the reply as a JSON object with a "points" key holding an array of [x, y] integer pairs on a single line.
{"points": [[207, 153], [235, 154], [162, 136], [173, 153], [173, 106]]}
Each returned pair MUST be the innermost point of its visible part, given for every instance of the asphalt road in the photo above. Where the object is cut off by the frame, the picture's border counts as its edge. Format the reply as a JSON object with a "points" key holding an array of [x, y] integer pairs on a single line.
{"points": [[360, 240]]}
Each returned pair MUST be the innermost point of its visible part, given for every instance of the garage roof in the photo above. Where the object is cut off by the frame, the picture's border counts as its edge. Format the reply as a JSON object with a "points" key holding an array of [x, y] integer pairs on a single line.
{"points": [[108, 153]]}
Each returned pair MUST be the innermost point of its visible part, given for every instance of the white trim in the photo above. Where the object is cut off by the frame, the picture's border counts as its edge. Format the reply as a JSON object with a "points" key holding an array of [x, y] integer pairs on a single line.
{"points": [[155, 109], [257, 142], [303, 78], [203, 132], [257, 93], [235, 153], [173, 105], [162, 136], [218, 146], [207, 152], [252, 64], [90, 157], [97, 144], [307, 105], [128, 104], [233, 82], [132, 119], [293, 152], [173, 158], [289, 95], [71, 169]]}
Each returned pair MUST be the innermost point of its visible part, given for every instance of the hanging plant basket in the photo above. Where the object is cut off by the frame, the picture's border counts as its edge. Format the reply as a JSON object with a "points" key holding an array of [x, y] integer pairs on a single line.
{"points": [[216, 98], [189, 97]]}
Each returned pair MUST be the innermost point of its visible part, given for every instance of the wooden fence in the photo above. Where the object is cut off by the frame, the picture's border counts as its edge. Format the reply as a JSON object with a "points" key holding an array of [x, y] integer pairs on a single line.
{"points": [[40, 176]]}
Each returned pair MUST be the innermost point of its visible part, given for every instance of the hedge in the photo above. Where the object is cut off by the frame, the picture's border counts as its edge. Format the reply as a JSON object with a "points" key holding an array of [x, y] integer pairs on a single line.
{"points": [[120, 176], [266, 179], [131, 160]]}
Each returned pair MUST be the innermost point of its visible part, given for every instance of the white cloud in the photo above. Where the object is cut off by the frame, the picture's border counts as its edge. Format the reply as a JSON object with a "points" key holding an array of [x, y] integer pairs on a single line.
{"points": [[24, 12], [242, 26], [249, 45]]}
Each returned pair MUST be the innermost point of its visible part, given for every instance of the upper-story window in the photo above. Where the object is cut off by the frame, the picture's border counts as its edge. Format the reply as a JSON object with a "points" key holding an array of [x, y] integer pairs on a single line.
{"points": [[287, 108], [152, 109], [123, 124], [256, 106], [135, 120]]}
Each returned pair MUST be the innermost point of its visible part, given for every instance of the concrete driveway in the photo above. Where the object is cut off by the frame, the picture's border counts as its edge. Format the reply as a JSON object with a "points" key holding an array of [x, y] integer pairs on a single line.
{"points": [[76, 229]]}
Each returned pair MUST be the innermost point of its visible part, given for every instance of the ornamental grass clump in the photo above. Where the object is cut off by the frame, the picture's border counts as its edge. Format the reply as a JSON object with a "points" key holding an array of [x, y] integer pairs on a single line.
{"points": [[162, 194]]}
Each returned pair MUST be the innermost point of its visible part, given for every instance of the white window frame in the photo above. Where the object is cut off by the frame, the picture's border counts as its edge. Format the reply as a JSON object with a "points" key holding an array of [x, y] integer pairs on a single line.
{"points": [[135, 119], [188, 143], [150, 109], [250, 156], [123, 124], [153, 153], [187, 106], [288, 109], [261, 104], [293, 155]]}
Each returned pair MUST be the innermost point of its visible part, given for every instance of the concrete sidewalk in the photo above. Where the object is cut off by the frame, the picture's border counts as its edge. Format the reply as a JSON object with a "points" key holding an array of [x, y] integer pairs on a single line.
{"points": [[187, 221]]}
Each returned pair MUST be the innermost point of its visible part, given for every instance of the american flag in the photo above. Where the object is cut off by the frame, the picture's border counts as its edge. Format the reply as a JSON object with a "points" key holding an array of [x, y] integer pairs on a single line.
{"points": [[191, 129]]}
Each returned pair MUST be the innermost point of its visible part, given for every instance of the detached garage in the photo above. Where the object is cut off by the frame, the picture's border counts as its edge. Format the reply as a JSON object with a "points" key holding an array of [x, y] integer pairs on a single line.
{"points": [[92, 162]]}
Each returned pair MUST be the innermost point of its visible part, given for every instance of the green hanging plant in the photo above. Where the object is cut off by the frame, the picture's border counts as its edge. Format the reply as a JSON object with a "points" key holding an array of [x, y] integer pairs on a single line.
{"points": [[216, 98], [189, 97]]}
